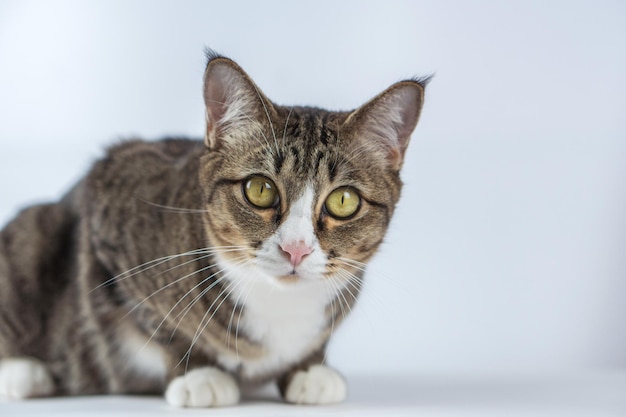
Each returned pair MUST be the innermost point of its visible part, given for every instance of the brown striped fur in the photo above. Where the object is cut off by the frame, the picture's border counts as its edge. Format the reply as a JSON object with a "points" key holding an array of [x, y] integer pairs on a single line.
{"points": [[148, 200]]}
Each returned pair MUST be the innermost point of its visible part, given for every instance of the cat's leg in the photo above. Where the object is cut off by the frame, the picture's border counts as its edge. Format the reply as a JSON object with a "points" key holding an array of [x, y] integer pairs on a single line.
{"points": [[24, 378], [316, 385], [203, 387], [32, 260], [313, 383]]}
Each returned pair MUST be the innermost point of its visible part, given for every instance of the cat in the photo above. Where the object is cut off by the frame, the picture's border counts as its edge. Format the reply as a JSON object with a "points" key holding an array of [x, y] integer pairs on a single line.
{"points": [[195, 268]]}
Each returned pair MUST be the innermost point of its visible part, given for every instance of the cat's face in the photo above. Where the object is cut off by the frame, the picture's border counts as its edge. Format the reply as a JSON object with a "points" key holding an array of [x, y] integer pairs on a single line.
{"points": [[300, 196]]}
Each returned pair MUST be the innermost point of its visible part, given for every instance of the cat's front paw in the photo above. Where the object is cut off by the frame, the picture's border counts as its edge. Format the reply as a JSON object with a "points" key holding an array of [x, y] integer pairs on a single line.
{"points": [[24, 378], [316, 386], [203, 387]]}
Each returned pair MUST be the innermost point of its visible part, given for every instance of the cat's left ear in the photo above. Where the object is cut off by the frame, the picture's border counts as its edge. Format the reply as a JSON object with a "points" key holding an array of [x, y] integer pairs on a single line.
{"points": [[384, 124]]}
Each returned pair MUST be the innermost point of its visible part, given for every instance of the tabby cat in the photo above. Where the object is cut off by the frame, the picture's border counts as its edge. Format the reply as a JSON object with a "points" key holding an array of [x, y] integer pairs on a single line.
{"points": [[197, 268]]}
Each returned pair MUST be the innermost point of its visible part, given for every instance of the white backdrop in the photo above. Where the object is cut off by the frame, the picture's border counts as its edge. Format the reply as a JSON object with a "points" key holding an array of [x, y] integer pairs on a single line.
{"points": [[507, 252]]}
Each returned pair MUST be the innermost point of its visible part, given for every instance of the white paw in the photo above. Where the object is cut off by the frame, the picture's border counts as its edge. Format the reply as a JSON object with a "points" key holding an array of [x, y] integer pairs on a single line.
{"points": [[319, 385], [203, 387], [24, 378]]}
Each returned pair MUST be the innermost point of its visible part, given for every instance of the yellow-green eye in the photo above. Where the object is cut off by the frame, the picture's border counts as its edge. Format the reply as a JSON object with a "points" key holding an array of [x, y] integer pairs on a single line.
{"points": [[260, 192], [343, 202]]}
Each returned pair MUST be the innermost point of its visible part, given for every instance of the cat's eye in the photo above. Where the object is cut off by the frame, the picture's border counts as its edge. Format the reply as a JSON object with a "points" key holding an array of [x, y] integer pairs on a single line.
{"points": [[261, 192], [343, 202]]}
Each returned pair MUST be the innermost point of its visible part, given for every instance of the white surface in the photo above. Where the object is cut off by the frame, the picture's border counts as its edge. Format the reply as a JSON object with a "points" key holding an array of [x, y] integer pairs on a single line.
{"points": [[590, 395], [507, 250]]}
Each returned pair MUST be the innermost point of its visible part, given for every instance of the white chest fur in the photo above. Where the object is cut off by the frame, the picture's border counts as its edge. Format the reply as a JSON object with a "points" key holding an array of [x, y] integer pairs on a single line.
{"points": [[286, 320]]}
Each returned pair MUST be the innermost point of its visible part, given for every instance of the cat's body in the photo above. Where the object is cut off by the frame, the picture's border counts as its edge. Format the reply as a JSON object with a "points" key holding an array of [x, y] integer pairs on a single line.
{"points": [[94, 301]]}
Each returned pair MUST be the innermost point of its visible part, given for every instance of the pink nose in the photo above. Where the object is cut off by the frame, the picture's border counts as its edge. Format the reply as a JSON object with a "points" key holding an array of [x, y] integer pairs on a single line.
{"points": [[296, 251]]}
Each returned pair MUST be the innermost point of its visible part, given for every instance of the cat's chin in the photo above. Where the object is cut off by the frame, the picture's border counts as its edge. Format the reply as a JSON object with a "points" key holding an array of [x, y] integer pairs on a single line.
{"points": [[288, 279], [291, 279], [308, 272]]}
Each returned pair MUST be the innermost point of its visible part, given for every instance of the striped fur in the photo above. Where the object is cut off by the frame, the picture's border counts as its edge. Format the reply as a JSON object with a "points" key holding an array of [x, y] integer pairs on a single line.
{"points": [[91, 287]]}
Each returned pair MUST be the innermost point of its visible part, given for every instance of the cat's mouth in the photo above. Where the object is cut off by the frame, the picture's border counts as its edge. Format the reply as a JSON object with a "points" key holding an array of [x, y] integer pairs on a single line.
{"points": [[289, 278], [293, 276]]}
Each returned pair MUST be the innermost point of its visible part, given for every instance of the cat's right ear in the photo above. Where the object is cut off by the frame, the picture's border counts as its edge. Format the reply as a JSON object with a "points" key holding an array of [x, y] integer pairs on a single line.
{"points": [[235, 107]]}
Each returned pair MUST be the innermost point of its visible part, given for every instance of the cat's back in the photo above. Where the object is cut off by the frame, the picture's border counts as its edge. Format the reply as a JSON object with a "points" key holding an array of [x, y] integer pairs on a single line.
{"points": [[134, 159], [136, 193], [170, 148], [141, 169]]}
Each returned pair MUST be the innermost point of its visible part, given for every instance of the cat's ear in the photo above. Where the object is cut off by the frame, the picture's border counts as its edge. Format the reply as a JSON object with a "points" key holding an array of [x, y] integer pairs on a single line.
{"points": [[384, 124], [235, 107]]}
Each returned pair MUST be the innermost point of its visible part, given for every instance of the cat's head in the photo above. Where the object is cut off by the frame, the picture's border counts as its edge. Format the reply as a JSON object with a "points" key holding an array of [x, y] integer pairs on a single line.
{"points": [[300, 195]]}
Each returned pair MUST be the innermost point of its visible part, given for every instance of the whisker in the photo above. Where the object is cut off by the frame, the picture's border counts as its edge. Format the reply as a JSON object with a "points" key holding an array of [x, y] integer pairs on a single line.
{"points": [[167, 286], [352, 261], [137, 269], [349, 281], [331, 296], [260, 130], [239, 249], [251, 285], [189, 306], [229, 288], [338, 295], [356, 154], [286, 123], [361, 267], [182, 298], [357, 283], [159, 261], [201, 327], [352, 280], [240, 113], [181, 315], [343, 296], [269, 119], [232, 315], [187, 353], [171, 208]]}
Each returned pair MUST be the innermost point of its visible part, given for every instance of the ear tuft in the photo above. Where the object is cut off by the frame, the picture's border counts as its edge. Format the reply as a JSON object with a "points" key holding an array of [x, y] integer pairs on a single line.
{"points": [[212, 54], [386, 122]]}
